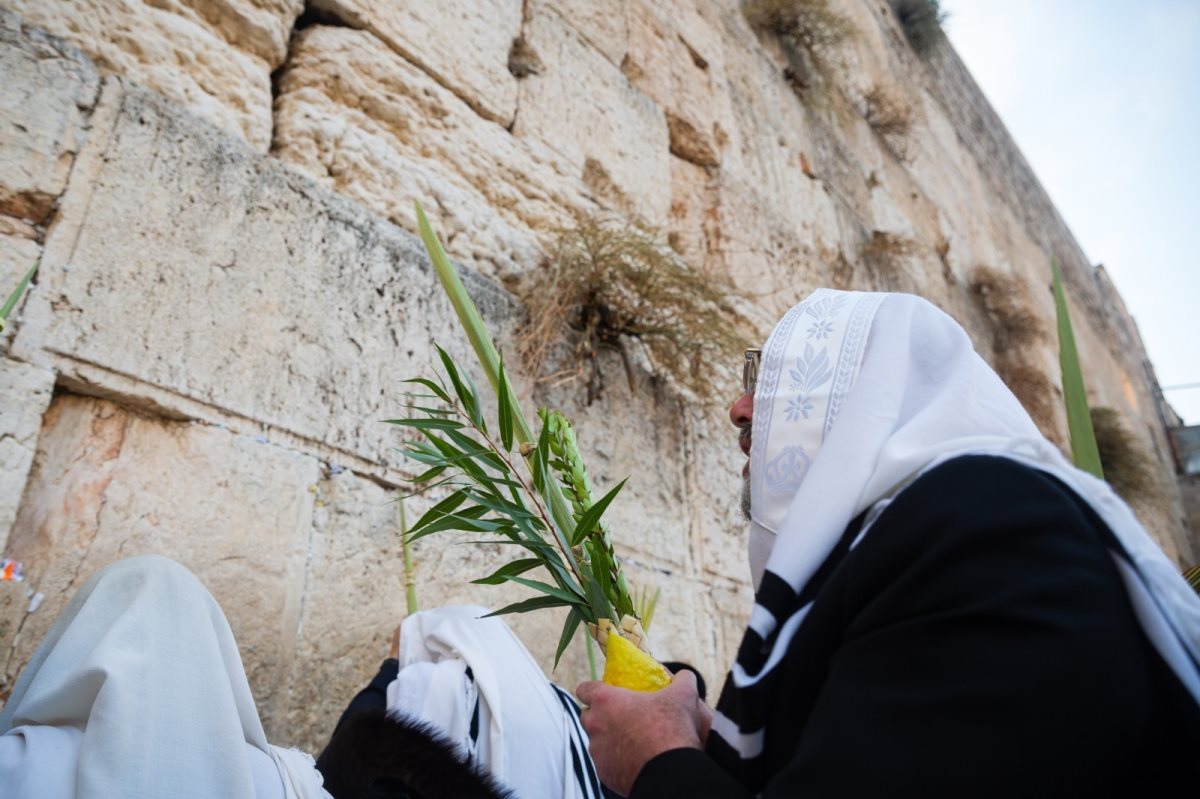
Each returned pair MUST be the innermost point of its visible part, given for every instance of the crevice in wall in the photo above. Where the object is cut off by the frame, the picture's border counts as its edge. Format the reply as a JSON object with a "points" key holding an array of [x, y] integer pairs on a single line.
{"points": [[523, 61]]}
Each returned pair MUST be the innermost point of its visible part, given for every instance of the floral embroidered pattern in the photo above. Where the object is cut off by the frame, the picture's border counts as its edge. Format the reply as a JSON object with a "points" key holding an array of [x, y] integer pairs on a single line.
{"points": [[820, 329], [812, 370], [786, 471], [824, 308], [798, 408]]}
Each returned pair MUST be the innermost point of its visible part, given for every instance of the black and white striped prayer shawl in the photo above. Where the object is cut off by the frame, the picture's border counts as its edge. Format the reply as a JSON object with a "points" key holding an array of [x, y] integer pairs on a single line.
{"points": [[907, 392]]}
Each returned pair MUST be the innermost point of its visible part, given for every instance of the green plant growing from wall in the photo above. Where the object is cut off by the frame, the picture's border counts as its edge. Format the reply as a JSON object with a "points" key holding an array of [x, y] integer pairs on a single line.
{"points": [[1084, 451], [531, 492], [607, 285], [15, 297]]}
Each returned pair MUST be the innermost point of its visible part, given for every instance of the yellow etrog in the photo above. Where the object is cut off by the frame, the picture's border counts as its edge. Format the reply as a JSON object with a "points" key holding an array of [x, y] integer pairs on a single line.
{"points": [[626, 666]]}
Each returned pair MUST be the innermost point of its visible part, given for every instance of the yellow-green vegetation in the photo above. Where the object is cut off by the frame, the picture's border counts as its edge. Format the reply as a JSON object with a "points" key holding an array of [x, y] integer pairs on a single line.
{"points": [[504, 484], [15, 297], [1079, 419], [1127, 466], [608, 285]]}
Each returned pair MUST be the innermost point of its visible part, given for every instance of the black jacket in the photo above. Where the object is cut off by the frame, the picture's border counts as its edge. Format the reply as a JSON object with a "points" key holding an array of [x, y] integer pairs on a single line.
{"points": [[977, 643]]}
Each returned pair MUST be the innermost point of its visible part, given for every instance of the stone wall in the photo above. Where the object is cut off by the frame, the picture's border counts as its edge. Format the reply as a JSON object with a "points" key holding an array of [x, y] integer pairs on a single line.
{"points": [[220, 194]]}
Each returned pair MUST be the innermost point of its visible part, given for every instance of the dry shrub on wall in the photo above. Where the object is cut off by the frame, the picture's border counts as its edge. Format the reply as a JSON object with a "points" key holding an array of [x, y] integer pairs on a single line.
{"points": [[891, 117], [1127, 466], [811, 24], [921, 21], [1006, 302], [884, 256], [1016, 333], [608, 285]]}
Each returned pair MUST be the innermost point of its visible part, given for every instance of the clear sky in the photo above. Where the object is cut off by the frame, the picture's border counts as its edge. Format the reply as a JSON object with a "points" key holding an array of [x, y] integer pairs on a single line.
{"points": [[1103, 98]]}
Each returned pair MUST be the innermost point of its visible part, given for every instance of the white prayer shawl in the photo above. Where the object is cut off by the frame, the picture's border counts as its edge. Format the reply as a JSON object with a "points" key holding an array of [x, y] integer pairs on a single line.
{"points": [[472, 678], [858, 394], [138, 692]]}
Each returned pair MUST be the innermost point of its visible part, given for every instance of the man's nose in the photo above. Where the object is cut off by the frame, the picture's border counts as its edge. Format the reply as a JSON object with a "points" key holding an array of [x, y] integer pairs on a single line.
{"points": [[741, 413]]}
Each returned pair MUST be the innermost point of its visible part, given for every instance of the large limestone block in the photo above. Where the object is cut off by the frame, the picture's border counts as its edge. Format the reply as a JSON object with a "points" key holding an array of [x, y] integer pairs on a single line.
{"points": [[684, 74], [179, 49], [238, 290], [583, 107], [463, 44], [109, 484], [24, 396], [365, 122], [47, 91]]}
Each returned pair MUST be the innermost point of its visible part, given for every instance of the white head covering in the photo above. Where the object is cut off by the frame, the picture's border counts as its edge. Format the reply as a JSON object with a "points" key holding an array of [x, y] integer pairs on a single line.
{"points": [[138, 691], [472, 678], [858, 394]]}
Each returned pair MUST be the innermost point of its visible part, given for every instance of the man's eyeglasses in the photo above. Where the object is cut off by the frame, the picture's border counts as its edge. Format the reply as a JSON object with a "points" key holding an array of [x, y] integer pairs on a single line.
{"points": [[750, 370]]}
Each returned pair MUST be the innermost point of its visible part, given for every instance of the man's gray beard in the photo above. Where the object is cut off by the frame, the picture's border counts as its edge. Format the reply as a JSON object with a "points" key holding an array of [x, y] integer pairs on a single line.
{"points": [[746, 495]]}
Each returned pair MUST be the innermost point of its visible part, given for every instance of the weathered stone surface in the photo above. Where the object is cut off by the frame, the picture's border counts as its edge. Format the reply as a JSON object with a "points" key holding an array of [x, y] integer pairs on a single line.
{"points": [[24, 396], [178, 48], [624, 156], [463, 44], [604, 24], [361, 120], [271, 300], [47, 91], [235, 511]]}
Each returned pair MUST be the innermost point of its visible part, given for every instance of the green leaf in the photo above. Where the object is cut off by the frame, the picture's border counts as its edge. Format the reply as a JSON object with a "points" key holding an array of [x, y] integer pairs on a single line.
{"points": [[466, 395], [546, 588], [1084, 451], [591, 518], [15, 297], [467, 521], [432, 386], [599, 603], [426, 424], [502, 507], [508, 570], [504, 411], [574, 618], [468, 316], [537, 603], [428, 475], [447, 505]]}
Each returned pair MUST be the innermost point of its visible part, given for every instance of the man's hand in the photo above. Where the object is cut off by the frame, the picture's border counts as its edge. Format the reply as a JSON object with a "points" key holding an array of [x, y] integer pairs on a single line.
{"points": [[629, 728]]}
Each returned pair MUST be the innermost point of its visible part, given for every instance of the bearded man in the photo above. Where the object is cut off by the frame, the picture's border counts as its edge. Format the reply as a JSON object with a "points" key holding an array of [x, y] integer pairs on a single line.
{"points": [[944, 605]]}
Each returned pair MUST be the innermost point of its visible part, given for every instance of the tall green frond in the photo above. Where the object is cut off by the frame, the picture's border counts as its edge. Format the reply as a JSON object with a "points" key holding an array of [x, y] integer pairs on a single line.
{"points": [[1084, 451]]}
